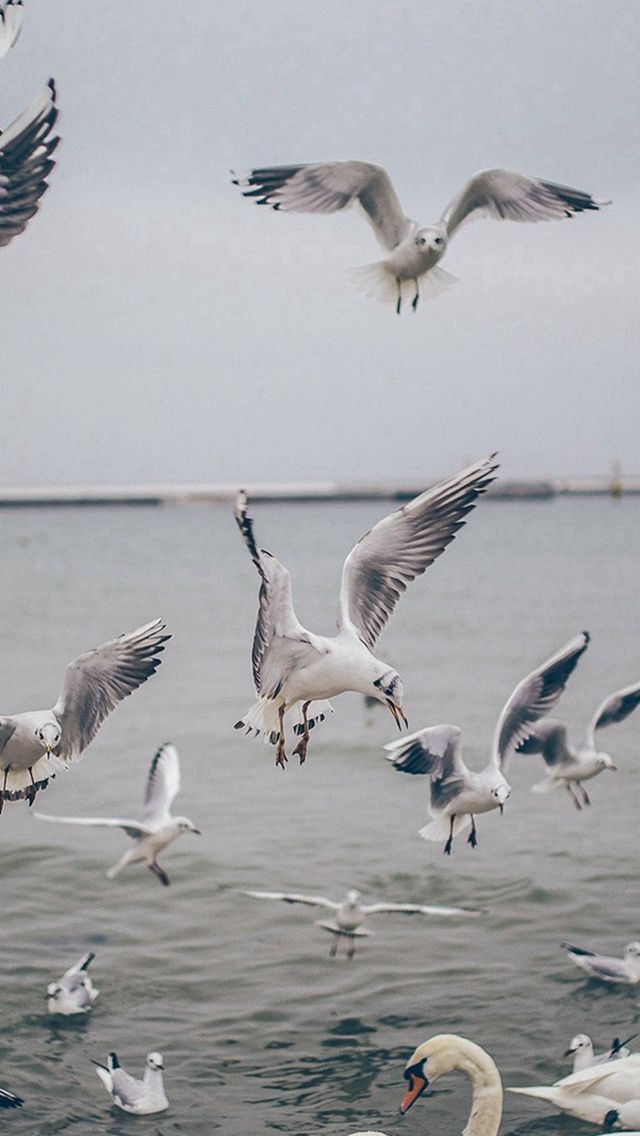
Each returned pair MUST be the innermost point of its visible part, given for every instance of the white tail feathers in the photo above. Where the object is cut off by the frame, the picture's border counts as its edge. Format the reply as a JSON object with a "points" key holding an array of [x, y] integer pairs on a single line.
{"points": [[547, 785], [440, 828], [19, 783], [378, 282], [262, 718]]}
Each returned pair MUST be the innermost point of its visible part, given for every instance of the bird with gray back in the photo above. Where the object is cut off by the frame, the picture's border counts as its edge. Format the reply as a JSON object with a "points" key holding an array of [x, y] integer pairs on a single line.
{"points": [[74, 993], [584, 1056], [607, 968], [142, 1097]]}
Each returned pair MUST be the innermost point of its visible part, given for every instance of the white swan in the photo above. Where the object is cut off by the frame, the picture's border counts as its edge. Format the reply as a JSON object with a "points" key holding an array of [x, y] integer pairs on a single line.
{"points": [[607, 1095], [442, 1054]]}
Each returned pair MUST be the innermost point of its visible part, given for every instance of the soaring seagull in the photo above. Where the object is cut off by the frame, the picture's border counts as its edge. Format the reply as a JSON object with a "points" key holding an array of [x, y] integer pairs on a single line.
{"points": [[37, 744], [569, 766], [293, 667], [457, 792], [413, 250]]}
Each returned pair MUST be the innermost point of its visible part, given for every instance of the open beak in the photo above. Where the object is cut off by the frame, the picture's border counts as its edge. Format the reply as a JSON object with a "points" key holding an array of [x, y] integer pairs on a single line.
{"points": [[417, 1085], [398, 714]]}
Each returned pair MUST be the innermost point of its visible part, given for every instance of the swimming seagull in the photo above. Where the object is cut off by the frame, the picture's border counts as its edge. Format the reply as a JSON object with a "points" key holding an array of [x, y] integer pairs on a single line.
{"points": [[37, 744], [607, 969], [607, 1095], [26, 147], [581, 1049], [10, 24], [158, 827], [413, 250], [128, 1093], [10, 1100], [568, 766], [74, 993], [457, 792], [293, 666], [350, 913]]}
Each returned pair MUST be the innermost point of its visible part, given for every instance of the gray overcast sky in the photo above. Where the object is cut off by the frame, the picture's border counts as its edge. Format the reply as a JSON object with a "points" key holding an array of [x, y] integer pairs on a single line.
{"points": [[156, 326]]}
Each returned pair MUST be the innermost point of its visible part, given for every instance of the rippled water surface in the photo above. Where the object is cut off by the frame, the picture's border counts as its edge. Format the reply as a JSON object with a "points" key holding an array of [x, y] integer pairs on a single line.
{"points": [[261, 1031]]}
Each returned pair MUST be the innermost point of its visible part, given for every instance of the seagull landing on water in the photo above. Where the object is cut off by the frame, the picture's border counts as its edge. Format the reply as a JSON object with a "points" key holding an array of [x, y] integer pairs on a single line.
{"points": [[350, 913], [607, 969], [292, 666], [568, 766], [158, 827], [10, 24], [74, 993], [582, 1051], [457, 793], [128, 1093], [36, 745], [413, 250]]}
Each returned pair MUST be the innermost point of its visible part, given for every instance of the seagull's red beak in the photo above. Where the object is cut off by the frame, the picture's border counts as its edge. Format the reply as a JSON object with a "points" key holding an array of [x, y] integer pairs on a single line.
{"points": [[417, 1085]]}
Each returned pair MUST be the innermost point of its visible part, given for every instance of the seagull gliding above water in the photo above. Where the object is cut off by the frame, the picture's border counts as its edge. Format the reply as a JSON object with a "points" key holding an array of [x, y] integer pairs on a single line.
{"points": [[413, 250], [293, 666]]}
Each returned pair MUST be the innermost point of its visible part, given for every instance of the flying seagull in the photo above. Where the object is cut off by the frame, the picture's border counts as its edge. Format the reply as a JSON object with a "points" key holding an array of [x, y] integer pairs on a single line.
{"points": [[568, 766], [458, 793], [350, 913], [158, 827], [26, 149], [10, 24], [413, 250], [293, 666], [36, 745], [128, 1093], [582, 1051], [625, 970], [74, 993]]}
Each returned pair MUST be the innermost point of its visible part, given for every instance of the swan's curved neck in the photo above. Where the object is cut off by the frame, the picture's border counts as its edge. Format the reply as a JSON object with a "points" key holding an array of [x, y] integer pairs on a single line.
{"points": [[486, 1105]]}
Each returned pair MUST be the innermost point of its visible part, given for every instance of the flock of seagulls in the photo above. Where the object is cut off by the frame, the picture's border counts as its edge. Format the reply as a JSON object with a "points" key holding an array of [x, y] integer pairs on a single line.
{"points": [[297, 672]]}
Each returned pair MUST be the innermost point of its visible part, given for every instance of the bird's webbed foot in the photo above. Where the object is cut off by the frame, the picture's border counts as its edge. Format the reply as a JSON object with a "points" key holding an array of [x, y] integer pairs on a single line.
{"points": [[472, 838], [281, 757], [160, 873]]}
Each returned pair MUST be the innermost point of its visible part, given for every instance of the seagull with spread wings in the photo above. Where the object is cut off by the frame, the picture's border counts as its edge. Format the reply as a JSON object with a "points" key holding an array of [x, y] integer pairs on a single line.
{"points": [[157, 828], [413, 251], [350, 913], [293, 667], [37, 744], [568, 766], [457, 792], [10, 24]]}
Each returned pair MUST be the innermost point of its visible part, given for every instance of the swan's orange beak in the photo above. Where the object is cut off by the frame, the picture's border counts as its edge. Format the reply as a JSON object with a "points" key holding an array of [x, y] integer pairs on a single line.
{"points": [[417, 1085]]}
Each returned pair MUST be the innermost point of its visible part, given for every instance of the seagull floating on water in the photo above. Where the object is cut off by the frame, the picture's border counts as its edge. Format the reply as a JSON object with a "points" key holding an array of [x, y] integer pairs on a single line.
{"points": [[350, 913], [37, 744], [582, 1051], [74, 993], [158, 827], [608, 969], [457, 792], [128, 1093], [607, 1095], [413, 250], [568, 766], [293, 666], [10, 24]]}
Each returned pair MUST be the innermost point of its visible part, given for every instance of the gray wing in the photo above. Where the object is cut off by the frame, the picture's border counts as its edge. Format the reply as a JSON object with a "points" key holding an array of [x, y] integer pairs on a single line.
{"points": [[9, 1100], [79, 967], [509, 196], [127, 1089], [279, 640], [10, 24], [97, 681], [435, 751], [163, 782], [25, 163], [416, 909], [329, 187], [615, 708], [133, 828], [535, 696], [310, 900], [7, 730], [549, 738], [401, 546]]}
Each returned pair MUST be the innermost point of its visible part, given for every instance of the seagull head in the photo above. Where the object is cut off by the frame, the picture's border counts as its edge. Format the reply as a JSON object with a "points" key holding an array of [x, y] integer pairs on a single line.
{"points": [[353, 898], [389, 688], [604, 762], [53, 990], [578, 1044], [49, 735], [186, 825], [632, 951], [430, 240], [154, 1061], [502, 792]]}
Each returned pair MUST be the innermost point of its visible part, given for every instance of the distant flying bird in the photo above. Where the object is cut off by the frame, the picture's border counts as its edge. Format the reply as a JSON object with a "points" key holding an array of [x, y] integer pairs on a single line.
{"points": [[293, 666], [568, 766], [414, 251], [128, 1093], [158, 827], [582, 1051], [10, 24], [350, 913], [26, 149], [625, 970], [74, 993], [37, 744], [457, 792]]}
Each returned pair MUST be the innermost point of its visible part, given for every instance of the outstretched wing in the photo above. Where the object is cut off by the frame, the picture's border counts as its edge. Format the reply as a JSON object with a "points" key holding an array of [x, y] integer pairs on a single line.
{"points": [[10, 24], [133, 828], [329, 187], [310, 900], [509, 196], [615, 708], [25, 163], [163, 782], [9, 1100], [549, 738], [536, 695], [417, 909], [435, 751], [401, 546], [97, 681]]}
